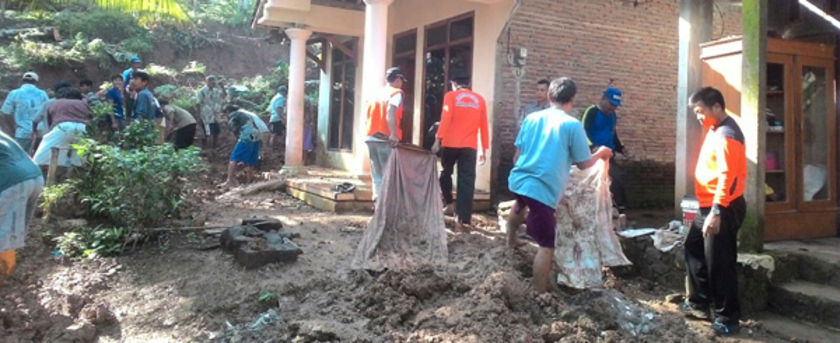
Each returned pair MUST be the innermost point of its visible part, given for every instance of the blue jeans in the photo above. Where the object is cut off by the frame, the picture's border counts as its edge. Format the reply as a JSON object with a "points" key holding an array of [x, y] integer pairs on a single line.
{"points": [[379, 152]]}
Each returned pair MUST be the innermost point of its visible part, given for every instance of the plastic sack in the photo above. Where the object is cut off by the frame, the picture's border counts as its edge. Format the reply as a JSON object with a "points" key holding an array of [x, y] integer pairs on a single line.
{"points": [[585, 240], [407, 228]]}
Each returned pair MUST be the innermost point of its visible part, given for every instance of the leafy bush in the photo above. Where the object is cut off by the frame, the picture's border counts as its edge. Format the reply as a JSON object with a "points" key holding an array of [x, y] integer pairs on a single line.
{"points": [[180, 96], [109, 25], [52, 195], [91, 242], [141, 187], [139, 135], [195, 67], [156, 70], [141, 44]]}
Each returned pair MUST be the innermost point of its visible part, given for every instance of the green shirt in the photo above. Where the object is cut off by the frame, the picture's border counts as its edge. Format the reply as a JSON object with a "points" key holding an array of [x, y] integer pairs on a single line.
{"points": [[15, 164]]}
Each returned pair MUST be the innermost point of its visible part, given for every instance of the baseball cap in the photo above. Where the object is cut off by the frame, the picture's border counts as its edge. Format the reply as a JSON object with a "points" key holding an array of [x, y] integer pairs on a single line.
{"points": [[135, 59], [30, 75], [613, 95], [393, 73]]}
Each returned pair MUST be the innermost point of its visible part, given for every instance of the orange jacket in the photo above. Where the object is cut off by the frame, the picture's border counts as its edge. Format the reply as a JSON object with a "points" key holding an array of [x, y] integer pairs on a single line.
{"points": [[377, 113], [721, 172], [464, 115]]}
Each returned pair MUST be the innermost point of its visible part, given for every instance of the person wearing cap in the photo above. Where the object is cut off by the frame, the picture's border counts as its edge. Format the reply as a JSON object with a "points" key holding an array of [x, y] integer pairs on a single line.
{"points": [[210, 99], [463, 119], [711, 246], [277, 120], [599, 121], [23, 104], [384, 114], [20, 188], [130, 94], [547, 145], [540, 101]]}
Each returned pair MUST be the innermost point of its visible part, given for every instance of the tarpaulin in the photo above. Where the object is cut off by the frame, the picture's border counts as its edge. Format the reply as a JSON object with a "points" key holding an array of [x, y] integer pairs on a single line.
{"points": [[585, 239], [407, 228]]}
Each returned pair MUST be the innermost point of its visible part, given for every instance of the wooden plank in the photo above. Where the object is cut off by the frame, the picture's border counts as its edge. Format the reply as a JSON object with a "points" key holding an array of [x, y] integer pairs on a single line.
{"points": [[53, 168], [347, 51]]}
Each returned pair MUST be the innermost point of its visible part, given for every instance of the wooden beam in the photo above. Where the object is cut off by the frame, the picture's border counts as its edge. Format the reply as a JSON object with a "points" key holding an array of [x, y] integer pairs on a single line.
{"points": [[347, 51]]}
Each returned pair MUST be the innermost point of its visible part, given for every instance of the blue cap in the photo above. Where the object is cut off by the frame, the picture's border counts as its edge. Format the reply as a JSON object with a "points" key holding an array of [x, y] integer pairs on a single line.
{"points": [[135, 59], [613, 95]]}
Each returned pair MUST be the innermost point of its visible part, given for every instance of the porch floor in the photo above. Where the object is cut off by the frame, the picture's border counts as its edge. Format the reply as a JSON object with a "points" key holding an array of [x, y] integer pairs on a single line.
{"points": [[316, 187]]}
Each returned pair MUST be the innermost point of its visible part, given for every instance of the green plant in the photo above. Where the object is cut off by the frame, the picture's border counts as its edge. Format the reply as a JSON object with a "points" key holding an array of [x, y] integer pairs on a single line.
{"points": [[141, 134], [91, 242], [52, 195], [156, 70], [194, 67], [138, 187]]}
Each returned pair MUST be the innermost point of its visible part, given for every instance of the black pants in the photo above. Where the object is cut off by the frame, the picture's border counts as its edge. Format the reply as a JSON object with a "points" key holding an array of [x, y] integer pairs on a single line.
{"points": [[184, 137], [617, 187], [711, 262], [465, 157]]}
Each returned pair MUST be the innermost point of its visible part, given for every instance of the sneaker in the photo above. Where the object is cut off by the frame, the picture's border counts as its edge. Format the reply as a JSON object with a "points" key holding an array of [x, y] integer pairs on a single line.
{"points": [[693, 311], [723, 329]]}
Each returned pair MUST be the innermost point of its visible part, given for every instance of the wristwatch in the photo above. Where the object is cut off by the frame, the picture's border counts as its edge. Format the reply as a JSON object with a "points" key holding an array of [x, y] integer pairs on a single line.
{"points": [[716, 209]]}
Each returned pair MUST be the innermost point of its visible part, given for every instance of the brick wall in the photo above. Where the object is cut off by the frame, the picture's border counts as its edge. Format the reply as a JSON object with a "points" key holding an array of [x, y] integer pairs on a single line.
{"points": [[593, 42], [726, 21]]}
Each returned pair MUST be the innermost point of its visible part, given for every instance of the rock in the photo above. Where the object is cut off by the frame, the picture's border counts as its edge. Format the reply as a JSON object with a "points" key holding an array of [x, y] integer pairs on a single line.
{"points": [[320, 331], [78, 333], [96, 314]]}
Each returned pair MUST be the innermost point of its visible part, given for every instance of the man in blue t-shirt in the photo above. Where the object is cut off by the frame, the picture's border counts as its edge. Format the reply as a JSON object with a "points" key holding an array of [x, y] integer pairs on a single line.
{"points": [[549, 142], [24, 104], [277, 109], [114, 96], [129, 94], [145, 106], [599, 122]]}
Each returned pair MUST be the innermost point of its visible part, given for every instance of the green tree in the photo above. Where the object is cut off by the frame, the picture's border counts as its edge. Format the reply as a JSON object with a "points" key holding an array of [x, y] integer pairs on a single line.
{"points": [[150, 10]]}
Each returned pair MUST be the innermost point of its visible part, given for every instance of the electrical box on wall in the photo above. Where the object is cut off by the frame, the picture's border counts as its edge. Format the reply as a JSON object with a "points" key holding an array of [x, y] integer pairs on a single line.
{"points": [[518, 56]]}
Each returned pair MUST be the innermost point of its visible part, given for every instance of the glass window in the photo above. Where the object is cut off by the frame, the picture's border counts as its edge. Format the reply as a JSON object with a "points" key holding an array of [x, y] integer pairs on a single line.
{"points": [[814, 134], [776, 176], [436, 36], [405, 43], [461, 29], [343, 76]]}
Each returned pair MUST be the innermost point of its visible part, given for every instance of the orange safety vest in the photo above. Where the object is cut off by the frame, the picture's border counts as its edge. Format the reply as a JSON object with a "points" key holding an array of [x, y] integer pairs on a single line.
{"points": [[377, 113]]}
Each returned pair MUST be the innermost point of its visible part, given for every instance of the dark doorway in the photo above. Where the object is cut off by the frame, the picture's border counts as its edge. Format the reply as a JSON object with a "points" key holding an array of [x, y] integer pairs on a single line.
{"points": [[447, 52], [342, 89], [405, 48]]}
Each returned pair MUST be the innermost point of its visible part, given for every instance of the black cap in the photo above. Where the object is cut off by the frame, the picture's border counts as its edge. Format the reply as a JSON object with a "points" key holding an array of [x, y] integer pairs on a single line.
{"points": [[393, 73], [462, 78]]}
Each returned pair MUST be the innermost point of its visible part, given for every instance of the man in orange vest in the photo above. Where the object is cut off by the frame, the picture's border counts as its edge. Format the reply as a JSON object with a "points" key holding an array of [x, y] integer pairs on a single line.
{"points": [[383, 131], [463, 118]]}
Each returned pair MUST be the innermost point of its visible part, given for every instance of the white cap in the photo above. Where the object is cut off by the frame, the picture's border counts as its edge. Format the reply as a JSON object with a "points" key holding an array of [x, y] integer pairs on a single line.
{"points": [[30, 75]]}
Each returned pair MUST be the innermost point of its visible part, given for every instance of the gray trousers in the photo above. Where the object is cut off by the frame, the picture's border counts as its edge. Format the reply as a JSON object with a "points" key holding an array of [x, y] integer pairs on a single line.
{"points": [[379, 152]]}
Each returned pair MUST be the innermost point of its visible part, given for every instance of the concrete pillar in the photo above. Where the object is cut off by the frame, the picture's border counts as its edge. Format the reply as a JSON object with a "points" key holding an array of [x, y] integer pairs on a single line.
{"points": [[753, 123], [297, 92], [695, 27], [373, 72]]}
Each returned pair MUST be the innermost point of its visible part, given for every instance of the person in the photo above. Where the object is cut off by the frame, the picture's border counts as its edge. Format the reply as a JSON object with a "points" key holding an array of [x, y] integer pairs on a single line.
{"points": [[39, 123], [23, 104], [210, 99], [181, 125], [599, 122], [130, 94], [540, 101], [86, 87], [548, 143], [20, 188], [384, 114], [711, 244], [277, 109], [463, 119], [246, 153], [145, 106], [68, 118], [115, 97]]}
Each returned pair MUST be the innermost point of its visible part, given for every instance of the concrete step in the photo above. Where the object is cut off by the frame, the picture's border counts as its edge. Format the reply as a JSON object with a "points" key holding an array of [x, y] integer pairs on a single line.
{"points": [[792, 330], [808, 301], [816, 261]]}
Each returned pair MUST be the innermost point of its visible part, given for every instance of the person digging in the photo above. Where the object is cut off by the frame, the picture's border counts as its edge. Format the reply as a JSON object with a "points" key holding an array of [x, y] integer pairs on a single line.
{"points": [[547, 145], [246, 153]]}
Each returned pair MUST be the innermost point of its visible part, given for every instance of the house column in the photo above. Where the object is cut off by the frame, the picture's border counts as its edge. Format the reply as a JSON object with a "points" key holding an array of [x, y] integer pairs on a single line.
{"points": [[297, 92], [753, 123], [373, 72], [695, 27]]}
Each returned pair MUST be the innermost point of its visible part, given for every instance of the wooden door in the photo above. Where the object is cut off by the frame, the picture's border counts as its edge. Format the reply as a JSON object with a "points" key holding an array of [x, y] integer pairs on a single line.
{"points": [[780, 156], [816, 143]]}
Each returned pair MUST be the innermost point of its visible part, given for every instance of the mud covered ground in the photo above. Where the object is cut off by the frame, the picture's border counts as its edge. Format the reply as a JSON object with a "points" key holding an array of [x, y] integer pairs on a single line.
{"points": [[171, 290]]}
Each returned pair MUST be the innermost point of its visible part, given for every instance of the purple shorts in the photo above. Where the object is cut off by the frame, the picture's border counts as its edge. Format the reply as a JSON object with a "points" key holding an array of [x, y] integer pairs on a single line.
{"points": [[541, 221]]}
